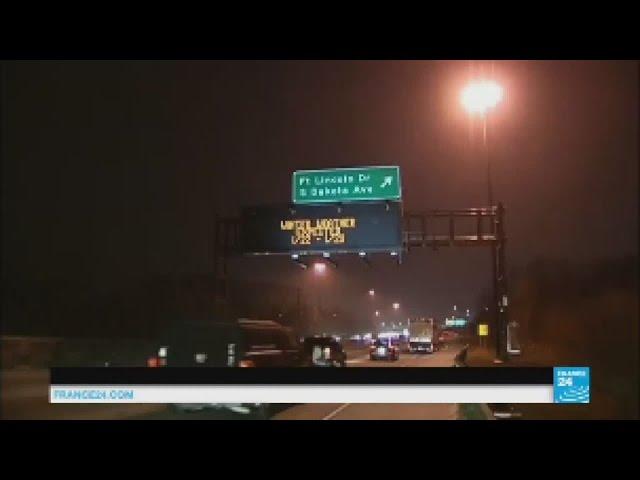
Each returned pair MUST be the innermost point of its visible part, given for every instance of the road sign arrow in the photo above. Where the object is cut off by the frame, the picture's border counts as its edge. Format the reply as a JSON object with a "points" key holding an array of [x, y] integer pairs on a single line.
{"points": [[387, 181]]}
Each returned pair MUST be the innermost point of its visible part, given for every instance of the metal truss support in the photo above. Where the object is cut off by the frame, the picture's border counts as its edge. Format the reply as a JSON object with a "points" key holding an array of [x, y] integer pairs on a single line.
{"points": [[420, 230]]}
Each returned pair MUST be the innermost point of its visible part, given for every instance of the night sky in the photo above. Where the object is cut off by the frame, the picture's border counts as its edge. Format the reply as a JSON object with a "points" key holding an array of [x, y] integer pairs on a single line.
{"points": [[113, 171]]}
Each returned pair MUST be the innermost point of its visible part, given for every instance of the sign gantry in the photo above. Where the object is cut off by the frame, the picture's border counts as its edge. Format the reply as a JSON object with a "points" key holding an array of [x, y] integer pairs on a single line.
{"points": [[359, 211]]}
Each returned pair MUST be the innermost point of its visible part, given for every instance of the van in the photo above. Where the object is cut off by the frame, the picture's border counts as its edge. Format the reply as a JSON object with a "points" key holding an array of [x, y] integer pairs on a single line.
{"points": [[244, 343]]}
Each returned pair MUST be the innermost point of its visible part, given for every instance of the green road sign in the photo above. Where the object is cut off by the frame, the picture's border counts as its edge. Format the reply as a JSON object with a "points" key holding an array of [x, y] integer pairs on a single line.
{"points": [[455, 322], [346, 185]]}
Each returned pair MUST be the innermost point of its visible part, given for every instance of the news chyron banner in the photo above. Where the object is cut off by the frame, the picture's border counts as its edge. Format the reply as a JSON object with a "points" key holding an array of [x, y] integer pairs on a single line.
{"points": [[371, 227], [569, 384]]}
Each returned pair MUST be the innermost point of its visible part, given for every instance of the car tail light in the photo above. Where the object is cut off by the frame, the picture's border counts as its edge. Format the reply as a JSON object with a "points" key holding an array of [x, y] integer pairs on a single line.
{"points": [[153, 362], [246, 363]]}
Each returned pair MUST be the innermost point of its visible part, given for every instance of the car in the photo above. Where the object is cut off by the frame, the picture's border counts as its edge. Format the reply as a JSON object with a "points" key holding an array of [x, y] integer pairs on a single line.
{"points": [[323, 352], [244, 343], [384, 350], [448, 336], [421, 347]]}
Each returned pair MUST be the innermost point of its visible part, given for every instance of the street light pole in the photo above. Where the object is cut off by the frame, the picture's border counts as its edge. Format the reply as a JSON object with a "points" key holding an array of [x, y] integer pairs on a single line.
{"points": [[480, 97], [494, 280], [319, 269], [488, 157]]}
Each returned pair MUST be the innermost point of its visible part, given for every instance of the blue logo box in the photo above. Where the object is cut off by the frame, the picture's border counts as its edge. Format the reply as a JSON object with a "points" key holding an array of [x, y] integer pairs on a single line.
{"points": [[571, 384]]}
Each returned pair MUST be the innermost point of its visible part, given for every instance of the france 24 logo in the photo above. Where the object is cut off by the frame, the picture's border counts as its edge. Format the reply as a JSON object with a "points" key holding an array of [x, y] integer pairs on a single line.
{"points": [[565, 382], [571, 384]]}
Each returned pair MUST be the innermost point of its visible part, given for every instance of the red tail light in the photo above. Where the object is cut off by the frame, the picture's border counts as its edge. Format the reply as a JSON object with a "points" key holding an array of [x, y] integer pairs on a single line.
{"points": [[246, 363], [153, 362]]}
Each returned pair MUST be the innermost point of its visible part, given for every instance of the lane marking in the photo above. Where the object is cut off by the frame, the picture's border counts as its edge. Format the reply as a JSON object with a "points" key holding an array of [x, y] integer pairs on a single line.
{"points": [[487, 411], [336, 411]]}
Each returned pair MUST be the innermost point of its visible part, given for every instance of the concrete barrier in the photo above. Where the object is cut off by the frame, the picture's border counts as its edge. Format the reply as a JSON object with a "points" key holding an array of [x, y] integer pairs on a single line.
{"points": [[22, 352], [27, 352], [460, 359]]}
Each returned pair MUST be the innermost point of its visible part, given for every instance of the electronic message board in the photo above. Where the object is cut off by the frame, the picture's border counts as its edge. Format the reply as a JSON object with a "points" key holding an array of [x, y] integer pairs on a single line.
{"points": [[370, 227]]}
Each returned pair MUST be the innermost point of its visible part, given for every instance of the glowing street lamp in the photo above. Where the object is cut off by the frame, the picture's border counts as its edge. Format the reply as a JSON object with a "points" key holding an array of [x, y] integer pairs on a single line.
{"points": [[481, 96], [396, 306], [319, 268], [372, 292], [377, 313]]}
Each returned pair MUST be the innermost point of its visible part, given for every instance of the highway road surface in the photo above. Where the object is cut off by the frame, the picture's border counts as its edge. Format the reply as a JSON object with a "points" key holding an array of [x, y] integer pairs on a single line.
{"points": [[24, 395], [333, 411], [383, 411]]}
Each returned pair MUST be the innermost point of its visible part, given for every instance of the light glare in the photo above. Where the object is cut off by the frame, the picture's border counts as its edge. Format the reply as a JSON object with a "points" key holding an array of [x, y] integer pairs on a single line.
{"points": [[319, 267], [480, 96]]}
